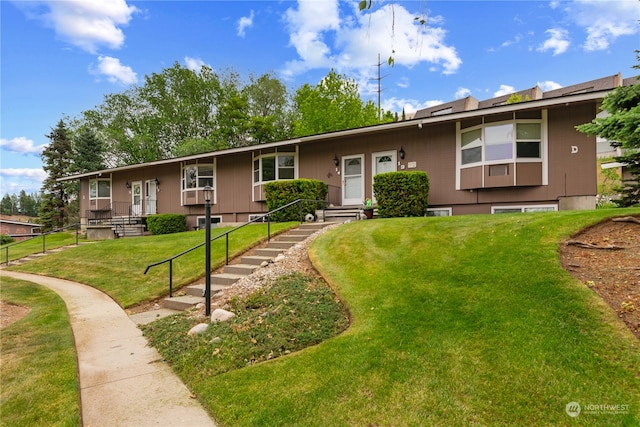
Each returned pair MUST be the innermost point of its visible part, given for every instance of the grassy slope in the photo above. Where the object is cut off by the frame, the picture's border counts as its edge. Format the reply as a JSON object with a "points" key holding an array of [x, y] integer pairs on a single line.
{"points": [[456, 321], [38, 369]]}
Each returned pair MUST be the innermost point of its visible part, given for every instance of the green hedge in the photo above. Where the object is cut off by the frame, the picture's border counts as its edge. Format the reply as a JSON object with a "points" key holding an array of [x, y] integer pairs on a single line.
{"points": [[5, 240], [166, 223], [281, 193], [401, 194]]}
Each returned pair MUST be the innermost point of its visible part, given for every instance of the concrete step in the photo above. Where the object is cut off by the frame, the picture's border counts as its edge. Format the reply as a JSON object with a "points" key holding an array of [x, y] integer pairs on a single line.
{"points": [[255, 259], [184, 302], [268, 252], [307, 232], [225, 279], [241, 269], [295, 238], [280, 244], [198, 289]]}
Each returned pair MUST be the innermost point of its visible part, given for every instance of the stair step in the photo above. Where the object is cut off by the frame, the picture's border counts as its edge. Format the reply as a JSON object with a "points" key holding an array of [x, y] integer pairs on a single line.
{"points": [[280, 244], [198, 289], [225, 279], [268, 252], [311, 226], [298, 232], [241, 269], [255, 259], [183, 302], [295, 238]]}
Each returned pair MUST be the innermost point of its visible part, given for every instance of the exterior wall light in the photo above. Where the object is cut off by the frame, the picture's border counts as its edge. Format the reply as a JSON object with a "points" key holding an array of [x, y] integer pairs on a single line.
{"points": [[336, 161], [401, 152]]}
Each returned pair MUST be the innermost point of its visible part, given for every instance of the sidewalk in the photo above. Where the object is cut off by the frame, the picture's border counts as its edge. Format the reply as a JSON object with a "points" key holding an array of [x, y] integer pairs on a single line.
{"points": [[123, 382]]}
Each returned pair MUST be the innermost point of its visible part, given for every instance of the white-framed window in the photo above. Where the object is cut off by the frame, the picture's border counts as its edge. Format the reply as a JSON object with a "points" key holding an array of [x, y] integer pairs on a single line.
{"points": [[258, 217], [197, 176], [100, 189], [274, 167], [520, 209], [214, 221], [439, 212]]}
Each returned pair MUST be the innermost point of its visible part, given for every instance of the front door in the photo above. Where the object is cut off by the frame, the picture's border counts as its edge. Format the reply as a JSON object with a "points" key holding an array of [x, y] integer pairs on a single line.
{"points": [[150, 198], [352, 180], [136, 198], [384, 161]]}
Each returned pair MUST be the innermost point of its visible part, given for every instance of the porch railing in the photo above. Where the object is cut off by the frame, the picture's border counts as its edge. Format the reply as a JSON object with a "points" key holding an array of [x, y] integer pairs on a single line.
{"points": [[109, 211], [260, 218], [44, 240]]}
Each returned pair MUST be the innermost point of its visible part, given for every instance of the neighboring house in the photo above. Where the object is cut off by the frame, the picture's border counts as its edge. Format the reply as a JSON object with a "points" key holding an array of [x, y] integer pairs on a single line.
{"points": [[481, 157], [19, 230]]}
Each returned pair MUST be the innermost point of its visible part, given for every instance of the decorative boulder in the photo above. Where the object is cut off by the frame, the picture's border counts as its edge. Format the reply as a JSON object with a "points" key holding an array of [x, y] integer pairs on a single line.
{"points": [[220, 315], [198, 329]]}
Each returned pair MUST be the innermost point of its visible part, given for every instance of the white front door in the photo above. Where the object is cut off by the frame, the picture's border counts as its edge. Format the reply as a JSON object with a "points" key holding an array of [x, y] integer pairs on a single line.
{"points": [[384, 161], [136, 198], [353, 180], [150, 198]]}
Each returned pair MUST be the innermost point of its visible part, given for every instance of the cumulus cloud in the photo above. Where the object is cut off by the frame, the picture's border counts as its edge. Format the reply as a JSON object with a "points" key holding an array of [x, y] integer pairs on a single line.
{"points": [[504, 90], [114, 71], [323, 39], [244, 23], [604, 21], [558, 41], [21, 145], [194, 64], [549, 85], [87, 24], [32, 174], [15, 180], [462, 92], [409, 106]]}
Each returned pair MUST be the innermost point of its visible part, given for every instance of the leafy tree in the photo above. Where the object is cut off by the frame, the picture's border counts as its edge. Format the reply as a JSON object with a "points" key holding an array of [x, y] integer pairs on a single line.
{"points": [[88, 152], [334, 104], [54, 209], [621, 127], [270, 116]]}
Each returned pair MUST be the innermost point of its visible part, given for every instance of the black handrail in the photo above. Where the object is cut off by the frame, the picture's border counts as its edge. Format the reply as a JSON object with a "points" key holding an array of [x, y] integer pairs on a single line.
{"points": [[226, 234], [44, 236]]}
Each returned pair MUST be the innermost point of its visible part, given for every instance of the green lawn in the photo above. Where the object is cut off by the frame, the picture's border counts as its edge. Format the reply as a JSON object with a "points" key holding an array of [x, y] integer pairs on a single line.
{"points": [[35, 245], [456, 321], [117, 266], [39, 368]]}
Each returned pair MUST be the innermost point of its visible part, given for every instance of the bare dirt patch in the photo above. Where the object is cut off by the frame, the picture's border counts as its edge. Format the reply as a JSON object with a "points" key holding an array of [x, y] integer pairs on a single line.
{"points": [[11, 313], [606, 258]]}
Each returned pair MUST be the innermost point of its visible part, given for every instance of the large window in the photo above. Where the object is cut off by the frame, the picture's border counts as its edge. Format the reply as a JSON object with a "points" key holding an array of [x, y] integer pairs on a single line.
{"points": [[272, 167], [197, 176], [100, 189], [499, 142]]}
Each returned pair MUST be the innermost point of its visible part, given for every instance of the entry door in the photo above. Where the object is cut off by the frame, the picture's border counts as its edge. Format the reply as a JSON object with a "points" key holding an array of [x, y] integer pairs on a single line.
{"points": [[150, 198], [136, 198], [384, 161], [352, 180]]}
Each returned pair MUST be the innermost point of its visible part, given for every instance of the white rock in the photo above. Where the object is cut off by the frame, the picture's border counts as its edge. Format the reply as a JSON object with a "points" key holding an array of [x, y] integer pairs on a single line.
{"points": [[220, 315], [279, 258], [198, 329]]}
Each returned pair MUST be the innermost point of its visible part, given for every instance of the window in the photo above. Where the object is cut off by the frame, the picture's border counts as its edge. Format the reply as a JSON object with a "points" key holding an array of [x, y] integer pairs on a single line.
{"points": [[214, 221], [519, 209], [439, 212], [100, 189], [499, 143], [273, 167], [528, 139], [472, 146], [197, 176]]}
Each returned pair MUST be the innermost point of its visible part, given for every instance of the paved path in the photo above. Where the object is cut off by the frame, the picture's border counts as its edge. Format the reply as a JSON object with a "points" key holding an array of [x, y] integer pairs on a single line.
{"points": [[123, 382]]}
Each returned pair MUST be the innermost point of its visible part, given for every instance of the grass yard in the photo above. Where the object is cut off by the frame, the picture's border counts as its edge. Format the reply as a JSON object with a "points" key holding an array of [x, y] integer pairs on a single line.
{"points": [[34, 245], [464, 320], [116, 266], [38, 369]]}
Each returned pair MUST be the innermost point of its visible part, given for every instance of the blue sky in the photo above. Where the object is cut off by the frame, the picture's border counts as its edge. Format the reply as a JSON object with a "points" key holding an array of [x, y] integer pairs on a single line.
{"points": [[59, 58]]}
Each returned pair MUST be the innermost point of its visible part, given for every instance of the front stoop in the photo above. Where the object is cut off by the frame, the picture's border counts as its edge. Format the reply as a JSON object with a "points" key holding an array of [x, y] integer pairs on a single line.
{"points": [[247, 265]]}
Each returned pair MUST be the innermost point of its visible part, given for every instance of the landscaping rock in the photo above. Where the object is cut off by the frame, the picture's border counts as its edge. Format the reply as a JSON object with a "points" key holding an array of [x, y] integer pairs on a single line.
{"points": [[198, 329], [220, 315]]}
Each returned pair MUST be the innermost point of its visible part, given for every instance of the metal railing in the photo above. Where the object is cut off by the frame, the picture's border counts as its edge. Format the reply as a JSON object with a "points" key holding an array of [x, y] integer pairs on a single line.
{"points": [[259, 218], [44, 240]]}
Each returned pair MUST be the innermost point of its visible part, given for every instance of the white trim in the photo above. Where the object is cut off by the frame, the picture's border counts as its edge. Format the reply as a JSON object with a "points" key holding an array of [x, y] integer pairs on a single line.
{"points": [[352, 201], [254, 216], [217, 218], [448, 210], [523, 208]]}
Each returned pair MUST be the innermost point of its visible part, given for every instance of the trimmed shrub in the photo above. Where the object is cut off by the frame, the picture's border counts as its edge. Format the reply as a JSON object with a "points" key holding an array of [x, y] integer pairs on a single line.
{"points": [[167, 223], [5, 240], [281, 193], [401, 194]]}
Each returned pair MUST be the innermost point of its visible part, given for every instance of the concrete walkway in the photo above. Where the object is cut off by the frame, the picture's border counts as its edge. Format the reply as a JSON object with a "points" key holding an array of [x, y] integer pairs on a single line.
{"points": [[123, 381]]}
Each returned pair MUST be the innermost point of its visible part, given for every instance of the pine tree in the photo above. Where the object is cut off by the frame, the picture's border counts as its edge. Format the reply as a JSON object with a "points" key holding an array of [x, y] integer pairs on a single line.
{"points": [[56, 158], [88, 152]]}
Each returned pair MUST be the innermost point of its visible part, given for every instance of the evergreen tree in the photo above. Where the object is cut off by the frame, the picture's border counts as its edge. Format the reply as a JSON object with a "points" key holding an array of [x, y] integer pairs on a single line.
{"points": [[88, 152], [56, 159]]}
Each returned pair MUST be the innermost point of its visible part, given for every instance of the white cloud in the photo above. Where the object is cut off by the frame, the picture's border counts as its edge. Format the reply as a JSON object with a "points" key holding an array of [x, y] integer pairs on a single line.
{"points": [[605, 21], [244, 23], [194, 64], [409, 106], [322, 39], [32, 174], [21, 145], [114, 71], [86, 24], [504, 90], [549, 85], [15, 180], [462, 92], [558, 41]]}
